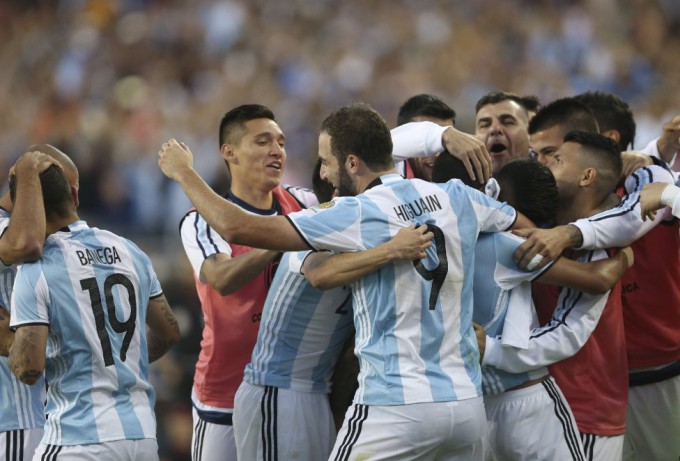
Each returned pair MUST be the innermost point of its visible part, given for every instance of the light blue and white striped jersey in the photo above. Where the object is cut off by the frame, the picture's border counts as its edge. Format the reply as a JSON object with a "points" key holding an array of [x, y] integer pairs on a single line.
{"points": [[496, 275], [302, 331], [413, 320], [21, 406], [92, 288]]}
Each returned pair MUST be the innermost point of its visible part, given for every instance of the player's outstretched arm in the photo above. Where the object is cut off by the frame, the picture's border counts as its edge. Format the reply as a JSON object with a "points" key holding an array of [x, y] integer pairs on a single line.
{"points": [[25, 234], [228, 274], [324, 270], [229, 220], [27, 353], [163, 330], [595, 277]]}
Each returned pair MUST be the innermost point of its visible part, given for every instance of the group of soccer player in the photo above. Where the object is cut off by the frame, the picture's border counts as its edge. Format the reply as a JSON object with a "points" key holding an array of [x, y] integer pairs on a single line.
{"points": [[387, 314]]}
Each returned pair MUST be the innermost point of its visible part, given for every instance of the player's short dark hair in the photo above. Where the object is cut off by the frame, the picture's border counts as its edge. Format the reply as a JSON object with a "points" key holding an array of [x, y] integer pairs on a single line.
{"points": [[426, 105], [601, 153], [358, 129], [530, 188], [568, 113], [231, 125], [612, 113], [322, 189], [448, 167], [56, 192], [496, 97], [531, 103]]}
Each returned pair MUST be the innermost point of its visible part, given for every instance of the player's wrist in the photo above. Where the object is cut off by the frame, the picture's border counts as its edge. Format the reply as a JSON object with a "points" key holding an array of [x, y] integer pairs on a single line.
{"points": [[668, 195]]}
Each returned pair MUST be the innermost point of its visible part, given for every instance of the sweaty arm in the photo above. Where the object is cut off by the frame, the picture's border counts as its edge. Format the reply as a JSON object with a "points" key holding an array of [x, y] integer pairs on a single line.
{"points": [[227, 275], [595, 277], [163, 330], [27, 352], [324, 270], [230, 221], [23, 239]]}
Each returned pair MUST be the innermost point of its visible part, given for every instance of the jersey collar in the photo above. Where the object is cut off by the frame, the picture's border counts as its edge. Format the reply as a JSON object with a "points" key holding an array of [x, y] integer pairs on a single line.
{"points": [[384, 179]]}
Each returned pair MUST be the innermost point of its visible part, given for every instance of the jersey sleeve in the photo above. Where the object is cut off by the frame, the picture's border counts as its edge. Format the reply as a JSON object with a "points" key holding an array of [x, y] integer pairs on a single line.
{"points": [[492, 215], [334, 225], [417, 139], [570, 326], [30, 297], [622, 225], [200, 241], [507, 274]]}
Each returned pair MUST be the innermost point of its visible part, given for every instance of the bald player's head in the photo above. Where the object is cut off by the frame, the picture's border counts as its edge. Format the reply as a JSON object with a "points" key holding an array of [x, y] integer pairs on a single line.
{"points": [[70, 169]]}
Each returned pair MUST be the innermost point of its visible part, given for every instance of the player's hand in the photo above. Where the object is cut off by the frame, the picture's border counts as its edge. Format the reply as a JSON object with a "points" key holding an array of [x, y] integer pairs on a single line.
{"points": [[5, 333], [650, 199], [632, 160], [480, 333], [410, 243], [471, 151], [669, 141], [33, 161], [548, 243], [175, 158]]}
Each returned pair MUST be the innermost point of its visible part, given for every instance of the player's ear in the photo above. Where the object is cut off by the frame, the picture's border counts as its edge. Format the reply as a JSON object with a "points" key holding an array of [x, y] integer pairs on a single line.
{"points": [[228, 153], [588, 177], [352, 163], [74, 194], [612, 134]]}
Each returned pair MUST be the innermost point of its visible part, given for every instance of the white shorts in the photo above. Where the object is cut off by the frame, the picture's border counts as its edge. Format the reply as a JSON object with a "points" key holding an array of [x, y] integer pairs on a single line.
{"points": [[20, 444], [602, 448], [212, 442], [653, 421], [446, 431], [129, 450], [531, 423], [272, 423]]}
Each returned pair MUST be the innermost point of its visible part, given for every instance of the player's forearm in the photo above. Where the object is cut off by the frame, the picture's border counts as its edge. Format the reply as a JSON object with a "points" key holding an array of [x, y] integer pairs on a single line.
{"points": [[344, 268], [158, 345], [27, 356], [231, 274], [23, 240], [595, 277]]}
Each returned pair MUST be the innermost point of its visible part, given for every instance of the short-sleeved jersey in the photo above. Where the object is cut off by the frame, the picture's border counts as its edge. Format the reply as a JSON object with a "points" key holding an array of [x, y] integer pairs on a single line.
{"points": [[92, 289], [21, 406], [496, 277], [230, 322], [302, 332], [413, 320]]}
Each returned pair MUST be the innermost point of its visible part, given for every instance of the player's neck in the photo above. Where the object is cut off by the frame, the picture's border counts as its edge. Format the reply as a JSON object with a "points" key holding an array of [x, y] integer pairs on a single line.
{"points": [[256, 197], [365, 180], [577, 207], [53, 225]]}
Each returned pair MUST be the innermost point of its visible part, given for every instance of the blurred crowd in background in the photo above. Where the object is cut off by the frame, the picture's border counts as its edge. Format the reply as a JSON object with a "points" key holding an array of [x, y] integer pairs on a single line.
{"points": [[108, 81]]}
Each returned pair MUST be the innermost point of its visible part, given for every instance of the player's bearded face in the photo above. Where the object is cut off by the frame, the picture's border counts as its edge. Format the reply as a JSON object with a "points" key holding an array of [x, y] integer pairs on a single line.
{"points": [[346, 186]]}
